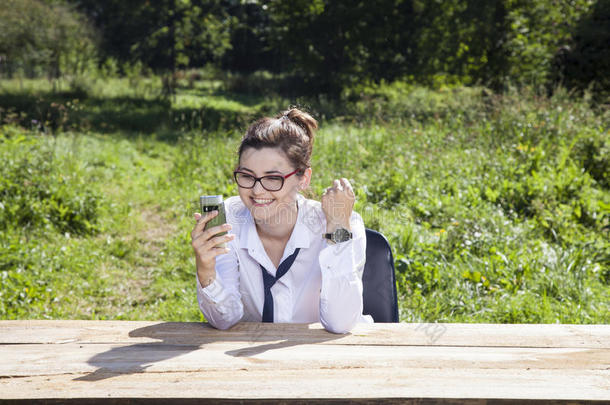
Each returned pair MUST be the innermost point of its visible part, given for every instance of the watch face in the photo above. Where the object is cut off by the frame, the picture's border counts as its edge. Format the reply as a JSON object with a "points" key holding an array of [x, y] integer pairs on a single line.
{"points": [[341, 235]]}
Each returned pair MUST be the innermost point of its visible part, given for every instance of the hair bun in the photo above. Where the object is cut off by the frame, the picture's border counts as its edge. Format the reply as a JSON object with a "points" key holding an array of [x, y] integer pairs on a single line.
{"points": [[302, 119]]}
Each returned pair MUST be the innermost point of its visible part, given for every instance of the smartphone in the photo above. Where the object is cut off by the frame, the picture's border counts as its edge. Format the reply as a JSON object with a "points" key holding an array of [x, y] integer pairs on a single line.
{"points": [[214, 203]]}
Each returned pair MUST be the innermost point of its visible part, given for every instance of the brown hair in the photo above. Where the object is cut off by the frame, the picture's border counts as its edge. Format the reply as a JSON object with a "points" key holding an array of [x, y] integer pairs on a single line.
{"points": [[292, 131]]}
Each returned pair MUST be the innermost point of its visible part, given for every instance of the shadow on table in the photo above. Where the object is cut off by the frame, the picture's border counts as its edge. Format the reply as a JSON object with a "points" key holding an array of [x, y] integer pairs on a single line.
{"points": [[176, 339]]}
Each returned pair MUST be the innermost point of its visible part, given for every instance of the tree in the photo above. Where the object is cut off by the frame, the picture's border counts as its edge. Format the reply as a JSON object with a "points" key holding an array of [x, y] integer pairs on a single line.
{"points": [[38, 37], [538, 30], [460, 41], [333, 44], [585, 62], [250, 47], [162, 34]]}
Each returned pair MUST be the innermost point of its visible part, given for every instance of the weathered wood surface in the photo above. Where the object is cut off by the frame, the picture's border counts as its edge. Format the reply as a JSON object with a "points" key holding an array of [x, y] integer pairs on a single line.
{"points": [[450, 362]]}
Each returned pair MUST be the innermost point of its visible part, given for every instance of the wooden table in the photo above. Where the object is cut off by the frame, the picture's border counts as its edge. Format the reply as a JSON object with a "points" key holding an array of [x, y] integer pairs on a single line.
{"points": [[134, 362]]}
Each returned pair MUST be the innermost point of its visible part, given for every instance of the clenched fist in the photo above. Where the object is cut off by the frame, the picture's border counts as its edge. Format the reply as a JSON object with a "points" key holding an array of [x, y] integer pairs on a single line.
{"points": [[337, 204]]}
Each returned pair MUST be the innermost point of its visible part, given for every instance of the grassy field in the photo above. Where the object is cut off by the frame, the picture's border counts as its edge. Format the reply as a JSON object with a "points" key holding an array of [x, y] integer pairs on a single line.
{"points": [[497, 206]]}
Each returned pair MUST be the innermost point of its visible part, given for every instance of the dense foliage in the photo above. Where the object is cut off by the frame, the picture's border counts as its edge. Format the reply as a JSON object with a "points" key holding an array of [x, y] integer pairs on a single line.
{"points": [[321, 46]]}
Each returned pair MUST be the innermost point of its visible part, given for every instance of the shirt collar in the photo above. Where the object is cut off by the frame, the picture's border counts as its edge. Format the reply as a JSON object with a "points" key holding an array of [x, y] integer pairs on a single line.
{"points": [[301, 234]]}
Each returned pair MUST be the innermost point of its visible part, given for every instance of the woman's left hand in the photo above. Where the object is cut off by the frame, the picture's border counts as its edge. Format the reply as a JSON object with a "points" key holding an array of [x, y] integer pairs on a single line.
{"points": [[337, 204]]}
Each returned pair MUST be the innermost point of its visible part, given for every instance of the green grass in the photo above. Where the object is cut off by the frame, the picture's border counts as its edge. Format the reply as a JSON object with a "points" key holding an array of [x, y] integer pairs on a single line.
{"points": [[497, 206]]}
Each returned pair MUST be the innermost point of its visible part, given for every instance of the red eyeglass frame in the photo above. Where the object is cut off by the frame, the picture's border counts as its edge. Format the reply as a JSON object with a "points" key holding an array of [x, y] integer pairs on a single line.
{"points": [[284, 177]]}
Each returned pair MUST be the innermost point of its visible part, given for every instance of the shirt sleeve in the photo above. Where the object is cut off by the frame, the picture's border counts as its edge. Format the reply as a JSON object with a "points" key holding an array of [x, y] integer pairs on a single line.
{"points": [[342, 265], [220, 302]]}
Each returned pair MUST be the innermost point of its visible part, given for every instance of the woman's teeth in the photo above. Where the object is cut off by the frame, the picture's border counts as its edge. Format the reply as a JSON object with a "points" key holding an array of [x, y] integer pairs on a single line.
{"points": [[261, 201]]}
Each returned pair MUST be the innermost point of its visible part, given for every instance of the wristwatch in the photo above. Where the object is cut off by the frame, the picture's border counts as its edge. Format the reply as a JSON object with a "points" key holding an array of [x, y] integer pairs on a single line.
{"points": [[339, 235]]}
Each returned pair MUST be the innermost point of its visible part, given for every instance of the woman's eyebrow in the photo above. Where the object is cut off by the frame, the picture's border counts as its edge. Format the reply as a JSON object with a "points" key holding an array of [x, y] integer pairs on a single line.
{"points": [[251, 171], [243, 168]]}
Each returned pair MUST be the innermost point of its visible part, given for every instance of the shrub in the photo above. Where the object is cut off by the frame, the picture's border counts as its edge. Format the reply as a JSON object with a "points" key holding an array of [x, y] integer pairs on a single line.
{"points": [[38, 189]]}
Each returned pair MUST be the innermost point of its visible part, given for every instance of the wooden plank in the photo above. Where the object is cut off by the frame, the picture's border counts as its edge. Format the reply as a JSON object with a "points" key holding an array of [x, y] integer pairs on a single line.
{"points": [[320, 383], [425, 334], [28, 360]]}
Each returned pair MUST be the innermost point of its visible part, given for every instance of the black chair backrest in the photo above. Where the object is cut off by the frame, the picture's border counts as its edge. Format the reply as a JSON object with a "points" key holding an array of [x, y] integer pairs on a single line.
{"points": [[378, 279]]}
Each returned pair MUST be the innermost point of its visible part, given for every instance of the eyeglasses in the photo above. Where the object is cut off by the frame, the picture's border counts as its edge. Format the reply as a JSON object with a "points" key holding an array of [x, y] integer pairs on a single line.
{"points": [[269, 183]]}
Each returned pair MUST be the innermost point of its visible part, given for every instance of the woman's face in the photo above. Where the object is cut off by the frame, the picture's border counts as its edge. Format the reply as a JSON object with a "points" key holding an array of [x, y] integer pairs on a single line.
{"points": [[271, 206]]}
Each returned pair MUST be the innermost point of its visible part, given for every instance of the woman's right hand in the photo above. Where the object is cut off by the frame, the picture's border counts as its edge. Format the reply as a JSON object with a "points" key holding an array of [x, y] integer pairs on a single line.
{"points": [[206, 246]]}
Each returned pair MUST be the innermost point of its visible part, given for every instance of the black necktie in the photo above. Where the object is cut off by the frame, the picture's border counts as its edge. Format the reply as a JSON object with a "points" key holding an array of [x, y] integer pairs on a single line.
{"points": [[269, 281]]}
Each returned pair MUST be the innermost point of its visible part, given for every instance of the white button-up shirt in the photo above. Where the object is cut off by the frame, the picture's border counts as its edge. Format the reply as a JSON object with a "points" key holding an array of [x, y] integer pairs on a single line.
{"points": [[324, 284]]}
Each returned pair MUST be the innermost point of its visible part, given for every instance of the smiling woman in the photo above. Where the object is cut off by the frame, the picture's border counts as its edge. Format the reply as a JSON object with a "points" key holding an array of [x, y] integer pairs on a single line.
{"points": [[288, 258]]}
